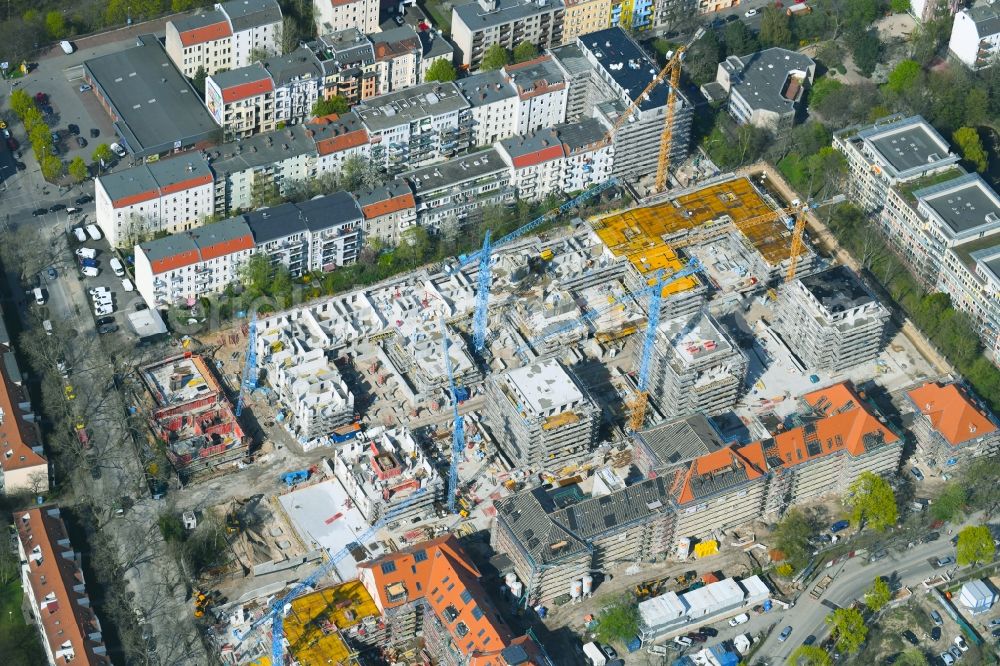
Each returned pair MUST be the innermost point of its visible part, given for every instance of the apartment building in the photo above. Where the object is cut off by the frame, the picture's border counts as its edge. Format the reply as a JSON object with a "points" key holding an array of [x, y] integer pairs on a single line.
{"points": [[389, 210], [280, 233], [333, 15], [970, 274], [347, 58], [542, 90], [297, 80], [494, 105], [312, 389], [950, 423], [620, 71], [536, 162], [632, 14], [541, 417], [225, 37], [590, 154], [382, 468], [397, 58], [460, 188], [766, 89], [667, 13], [975, 36], [335, 222], [583, 17], [241, 101], [162, 196], [831, 320], [56, 590], [435, 46], [416, 126], [658, 448], [477, 25], [187, 265], [23, 466], [338, 139], [433, 589], [696, 366]]}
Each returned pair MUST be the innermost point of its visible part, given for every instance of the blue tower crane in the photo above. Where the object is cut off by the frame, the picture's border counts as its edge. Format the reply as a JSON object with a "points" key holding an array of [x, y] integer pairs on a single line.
{"points": [[458, 431], [249, 380], [482, 297]]}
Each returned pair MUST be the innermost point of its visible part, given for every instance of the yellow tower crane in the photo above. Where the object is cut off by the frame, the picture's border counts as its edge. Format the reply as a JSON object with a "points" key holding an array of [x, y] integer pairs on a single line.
{"points": [[797, 244], [673, 70]]}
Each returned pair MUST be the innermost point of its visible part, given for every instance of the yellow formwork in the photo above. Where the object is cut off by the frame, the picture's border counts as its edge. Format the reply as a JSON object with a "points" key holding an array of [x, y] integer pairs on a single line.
{"points": [[312, 626], [641, 234]]}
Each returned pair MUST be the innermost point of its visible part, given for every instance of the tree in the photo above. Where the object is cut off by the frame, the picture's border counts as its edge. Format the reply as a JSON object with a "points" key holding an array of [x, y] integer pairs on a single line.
{"points": [[971, 147], [20, 102], [859, 14], [525, 51], [810, 655], [912, 657], [866, 48], [496, 56], [848, 628], [905, 77], [702, 61], [52, 167], [102, 152], [618, 622], [975, 545], [257, 54], [872, 502], [441, 70], [775, 28], [791, 537], [55, 25], [199, 80], [878, 595], [951, 502], [824, 88], [291, 36], [255, 274], [336, 104], [78, 169], [739, 39], [900, 6]]}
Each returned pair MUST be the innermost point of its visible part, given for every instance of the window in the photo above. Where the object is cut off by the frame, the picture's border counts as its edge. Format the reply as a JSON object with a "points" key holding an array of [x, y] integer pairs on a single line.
{"points": [[476, 613], [388, 567], [466, 596]]}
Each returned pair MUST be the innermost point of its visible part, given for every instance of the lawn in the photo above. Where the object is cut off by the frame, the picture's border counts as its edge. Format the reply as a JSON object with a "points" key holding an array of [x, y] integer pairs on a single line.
{"points": [[439, 12], [19, 643]]}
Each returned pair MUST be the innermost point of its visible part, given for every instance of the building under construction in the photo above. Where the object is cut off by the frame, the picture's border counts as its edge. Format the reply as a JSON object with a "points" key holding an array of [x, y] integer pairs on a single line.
{"points": [[695, 367], [312, 389], [541, 416]]}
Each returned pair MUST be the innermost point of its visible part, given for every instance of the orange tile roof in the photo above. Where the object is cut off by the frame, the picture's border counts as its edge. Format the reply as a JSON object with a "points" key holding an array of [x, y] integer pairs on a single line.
{"points": [[393, 205], [951, 412], [440, 572], [833, 398], [207, 33], [247, 90], [17, 436], [341, 142], [750, 461], [65, 621], [538, 156]]}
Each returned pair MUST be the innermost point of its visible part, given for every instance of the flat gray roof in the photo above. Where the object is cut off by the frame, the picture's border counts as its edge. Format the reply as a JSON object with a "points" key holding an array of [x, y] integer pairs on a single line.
{"points": [[268, 224], [246, 14], [154, 175], [581, 134], [156, 106], [485, 88], [203, 18], [572, 59], [300, 63], [908, 144], [837, 289], [626, 64], [476, 17], [329, 211], [762, 78], [261, 149], [526, 144], [208, 235], [234, 77], [394, 188], [681, 440], [455, 170], [966, 204], [410, 104], [168, 246]]}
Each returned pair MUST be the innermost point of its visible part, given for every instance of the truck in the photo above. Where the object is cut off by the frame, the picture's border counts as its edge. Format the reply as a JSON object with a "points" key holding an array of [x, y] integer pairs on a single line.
{"points": [[292, 478], [798, 10], [821, 586], [346, 432], [594, 654]]}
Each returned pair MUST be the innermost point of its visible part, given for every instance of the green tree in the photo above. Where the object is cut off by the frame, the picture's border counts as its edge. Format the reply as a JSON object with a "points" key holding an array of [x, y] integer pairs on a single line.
{"points": [[823, 88], [866, 48], [525, 51], [618, 622], [496, 56], [872, 502], [264, 193], [912, 657], [78, 169], [255, 275], [951, 502], [971, 147], [739, 39], [905, 77], [848, 628], [859, 14], [791, 537], [775, 28], [20, 102], [171, 527], [810, 655], [336, 104], [183, 5], [102, 152], [40, 137], [55, 25], [441, 70], [878, 595], [975, 545], [702, 59], [198, 81], [52, 167], [900, 6]]}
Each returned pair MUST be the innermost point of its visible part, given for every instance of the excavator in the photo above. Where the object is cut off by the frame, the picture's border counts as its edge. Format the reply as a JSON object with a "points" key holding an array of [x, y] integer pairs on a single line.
{"points": [[240, 516]]}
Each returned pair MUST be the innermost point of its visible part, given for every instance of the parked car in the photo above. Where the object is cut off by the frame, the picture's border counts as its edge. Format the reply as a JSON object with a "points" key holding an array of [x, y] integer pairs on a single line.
{"points": [[936, 633], [739, 619], [947, 659], [961, 644], [102, 310], [73, 129], [21, 166], [51, 272], [910, 637], [936, 618], [80, 234], [39, 211], [711, 632], [93, 232], [917, 474], [750, 12], [785, 633], [955, 652], [127, 285], [930, 537], [107, 328], [88, 252], [683, 640], [609, 651], [696, 637], [80, 141], [94, 132], [116, 267], [85, 199], [810, 639], [55, 207], [84, 87], [104, 321], [944, 561], [90, 272]]}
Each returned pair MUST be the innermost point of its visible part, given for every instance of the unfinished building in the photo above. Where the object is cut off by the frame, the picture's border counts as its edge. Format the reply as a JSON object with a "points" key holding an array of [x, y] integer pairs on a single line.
{"points": [[695, 367], [541, 417], [662, 446], [191, 414], [416, 355], [835, 322], [950, 423], [382, 468], [313, 391]]}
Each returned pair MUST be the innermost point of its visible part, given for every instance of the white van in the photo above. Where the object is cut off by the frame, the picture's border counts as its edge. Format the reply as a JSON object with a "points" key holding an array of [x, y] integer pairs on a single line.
{"points": [[93, 232], [117, 267], [118, 149], [47, 325], [739, 619], [80, 234], [87, 252], [127, 285], [39, 296], [89, 271]]}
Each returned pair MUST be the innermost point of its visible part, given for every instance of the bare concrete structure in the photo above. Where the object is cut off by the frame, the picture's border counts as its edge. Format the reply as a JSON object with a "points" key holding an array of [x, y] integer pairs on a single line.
{"points": [[540, 416], [832, 318], [696, 366], [311, 387]]}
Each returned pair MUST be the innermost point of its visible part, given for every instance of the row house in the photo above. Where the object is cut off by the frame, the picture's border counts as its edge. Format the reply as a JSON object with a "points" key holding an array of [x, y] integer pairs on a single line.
{"points": [[583, 17], [477, 25], [333, 15], [165, 196], [347, 60], [975, 36], [388, 210], [542, 90], [950, 423], [241, 101], [225, 37], [297, 82], [397, 58], [23, 465]]}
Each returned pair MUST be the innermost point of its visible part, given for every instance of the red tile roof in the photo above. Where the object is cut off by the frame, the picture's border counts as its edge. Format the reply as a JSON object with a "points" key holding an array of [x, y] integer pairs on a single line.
{"points": [[336, 144], [538, 157], [247, 90], [174, 261], [65, 622], [207, 33], [393, 205], [17, 436], [951, 412]]}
